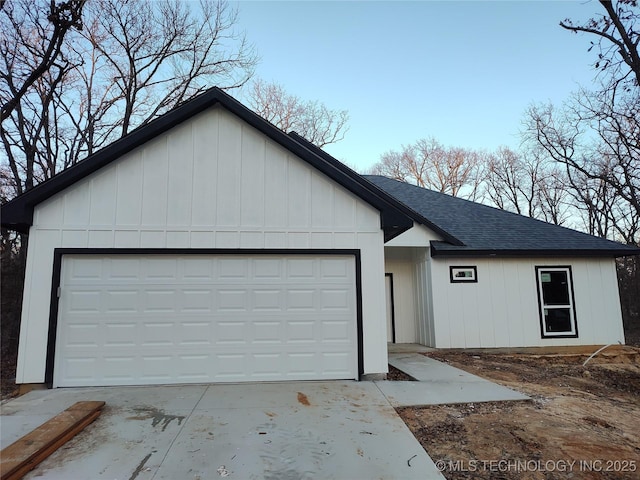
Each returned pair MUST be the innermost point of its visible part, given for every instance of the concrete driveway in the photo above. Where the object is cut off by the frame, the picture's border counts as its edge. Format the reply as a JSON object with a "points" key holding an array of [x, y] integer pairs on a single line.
{"points": [[293, 430]]}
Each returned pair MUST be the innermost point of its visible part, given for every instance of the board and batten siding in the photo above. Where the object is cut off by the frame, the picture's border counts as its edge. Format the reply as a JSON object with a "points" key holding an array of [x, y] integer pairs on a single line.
{"points": [[501, 309], [407, 257], [210, 182], [399, 262]]}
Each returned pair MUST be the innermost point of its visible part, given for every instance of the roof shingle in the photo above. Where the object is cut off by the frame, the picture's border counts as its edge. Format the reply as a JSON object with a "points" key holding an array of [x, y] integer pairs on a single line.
{"points": [[490, 231]]}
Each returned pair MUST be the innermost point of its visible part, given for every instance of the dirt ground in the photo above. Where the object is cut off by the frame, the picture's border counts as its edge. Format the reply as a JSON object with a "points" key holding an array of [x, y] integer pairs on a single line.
{"points": [[582, 422], [396, 375]]}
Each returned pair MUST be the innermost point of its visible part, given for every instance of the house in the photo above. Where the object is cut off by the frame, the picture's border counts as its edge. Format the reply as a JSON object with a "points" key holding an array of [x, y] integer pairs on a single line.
{"points": [[209, 246], [504, 280]]}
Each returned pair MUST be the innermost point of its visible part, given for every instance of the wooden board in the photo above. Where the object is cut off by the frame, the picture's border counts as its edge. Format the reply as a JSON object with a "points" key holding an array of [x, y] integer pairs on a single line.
{"points": [[25, 454]]}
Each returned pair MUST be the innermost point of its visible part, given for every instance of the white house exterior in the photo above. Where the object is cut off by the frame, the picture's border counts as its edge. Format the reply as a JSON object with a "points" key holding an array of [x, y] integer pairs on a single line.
{"points": [[211, 247], [209, 252], [501, 309], [516, 266]]}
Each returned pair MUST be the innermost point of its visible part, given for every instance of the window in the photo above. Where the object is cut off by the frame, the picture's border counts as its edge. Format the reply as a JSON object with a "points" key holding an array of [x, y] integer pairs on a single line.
{"points": [[463, 274], [555, 297]]}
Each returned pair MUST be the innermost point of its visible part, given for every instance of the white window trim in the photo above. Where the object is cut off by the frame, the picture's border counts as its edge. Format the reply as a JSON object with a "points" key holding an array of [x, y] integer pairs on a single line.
{"points": [[571, 305]]}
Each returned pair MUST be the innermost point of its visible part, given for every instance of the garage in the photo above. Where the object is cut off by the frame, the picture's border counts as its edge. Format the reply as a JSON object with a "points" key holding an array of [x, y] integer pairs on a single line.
{"points": [[206, 246], [137, 319]]}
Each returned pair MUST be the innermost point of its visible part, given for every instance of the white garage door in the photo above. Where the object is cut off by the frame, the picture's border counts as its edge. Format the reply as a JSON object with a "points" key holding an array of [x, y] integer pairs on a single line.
{"points": [[159, 319]]}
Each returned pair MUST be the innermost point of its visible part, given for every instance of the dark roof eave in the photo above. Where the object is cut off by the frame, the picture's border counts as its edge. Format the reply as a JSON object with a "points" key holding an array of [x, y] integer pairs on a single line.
{"points": [[437, 251], [391, 232], [17, 218], [19, 227], [446, 236]]}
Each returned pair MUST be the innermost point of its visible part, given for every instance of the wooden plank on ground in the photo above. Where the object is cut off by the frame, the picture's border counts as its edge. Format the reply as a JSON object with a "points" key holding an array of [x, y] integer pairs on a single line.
{"points": [[25, 454]]}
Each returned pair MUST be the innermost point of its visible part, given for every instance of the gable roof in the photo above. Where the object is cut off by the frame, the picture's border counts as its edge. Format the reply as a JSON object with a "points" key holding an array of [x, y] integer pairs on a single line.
{"points": [[485, 230], [17, 214], [468, 228]]}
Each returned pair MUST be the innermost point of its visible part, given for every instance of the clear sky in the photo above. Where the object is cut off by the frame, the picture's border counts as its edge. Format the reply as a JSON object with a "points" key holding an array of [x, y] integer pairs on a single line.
{"points": [[463, 72]]}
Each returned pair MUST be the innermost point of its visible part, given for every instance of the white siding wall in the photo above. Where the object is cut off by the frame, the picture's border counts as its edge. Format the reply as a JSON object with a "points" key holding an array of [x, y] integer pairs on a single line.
{"points": [[411, 278], [211, 182], [400, 263], [424, 305], [501, 310], [416, 236]]}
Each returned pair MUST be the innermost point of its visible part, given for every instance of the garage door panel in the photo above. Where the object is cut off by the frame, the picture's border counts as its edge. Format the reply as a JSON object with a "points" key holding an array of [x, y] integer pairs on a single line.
{"points": [[196, 270], [335, 331], [121, 334], [232, 269], [230, 332], [160, 300], [300, 331], [117, 369], [300, 300], [230, 366], [267, 269], [231, 300], [83, 335], [267, 364], [335, 299], [197, 300], [335, 269], [195, 333], [302, 363], [334, 363], [301, 269], [121, 269], [83, 302], [156, 368], [267, 300], [160, 269], [130, 320], [158, 334], [91, 270], [268, 332], [120, 301], [80, 370]]}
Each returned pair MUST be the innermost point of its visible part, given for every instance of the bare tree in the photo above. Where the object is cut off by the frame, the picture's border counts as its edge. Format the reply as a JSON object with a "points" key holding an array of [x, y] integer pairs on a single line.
{"points": [[130, 62], [527, 184], [18, 46], [551, 193], [596, 139], [33, 64], [311, 119], [160, 53], [617, 39], [510, 182], [597, 134], [594, 201], [427, 163], [629, 287]]}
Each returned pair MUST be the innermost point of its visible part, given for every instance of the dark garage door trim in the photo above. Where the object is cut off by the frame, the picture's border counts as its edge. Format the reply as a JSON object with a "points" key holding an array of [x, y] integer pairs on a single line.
{"points": [[57, 270]]}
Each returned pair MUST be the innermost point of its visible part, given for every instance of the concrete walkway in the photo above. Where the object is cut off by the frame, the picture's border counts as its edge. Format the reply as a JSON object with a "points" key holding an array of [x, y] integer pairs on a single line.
{"points": [[439, 383], [293, 430]]}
